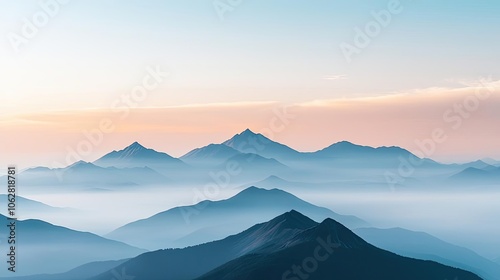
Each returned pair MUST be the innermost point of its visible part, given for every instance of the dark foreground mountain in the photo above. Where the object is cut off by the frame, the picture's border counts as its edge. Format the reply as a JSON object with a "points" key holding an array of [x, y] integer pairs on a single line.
{"points": [[212, 220], [290, 246], [192, 262], [330, 251]]}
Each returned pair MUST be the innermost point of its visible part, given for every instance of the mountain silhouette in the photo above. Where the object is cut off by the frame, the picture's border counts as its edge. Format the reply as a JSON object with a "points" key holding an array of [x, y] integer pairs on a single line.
{"points": [[81, 272], [330, 251], [249, 142], [137, 155], [427, 247], [212, 154], [88, 175], [473, 176], [211, 220], [47, 248], [192, 262]]}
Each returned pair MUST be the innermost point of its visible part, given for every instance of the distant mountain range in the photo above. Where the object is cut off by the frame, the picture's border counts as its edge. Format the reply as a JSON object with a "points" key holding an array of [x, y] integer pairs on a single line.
{"points": [[210, 220], [137, 155], [256, 157], [87, 175], [46, 248], [290, 245], [423, 246]]}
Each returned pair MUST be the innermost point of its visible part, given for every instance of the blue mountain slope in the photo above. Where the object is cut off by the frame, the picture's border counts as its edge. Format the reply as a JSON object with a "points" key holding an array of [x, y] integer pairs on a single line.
{"points": [[79, 273], [192, 262], [210, 220], [424, 246], [28, 207], [475, 177], [249, 142], [329, 251], [46, 248], [137, 155], [86, 174], [212, 154]]}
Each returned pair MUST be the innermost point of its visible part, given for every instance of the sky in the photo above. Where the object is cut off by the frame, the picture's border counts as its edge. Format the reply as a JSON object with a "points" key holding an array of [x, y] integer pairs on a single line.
{"points": [[371, 72]]}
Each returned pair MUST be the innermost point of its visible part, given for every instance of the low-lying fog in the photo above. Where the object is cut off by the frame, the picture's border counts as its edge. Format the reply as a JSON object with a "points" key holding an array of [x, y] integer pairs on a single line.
{"points": [[464, 218]]}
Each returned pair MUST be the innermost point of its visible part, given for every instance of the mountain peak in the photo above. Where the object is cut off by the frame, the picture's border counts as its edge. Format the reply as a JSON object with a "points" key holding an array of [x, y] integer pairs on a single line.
{"points": [[248, 132], [256, 190], [291, 219], [136, 155], [134, 146], [336, 232], [80, 164], [261, 145]]}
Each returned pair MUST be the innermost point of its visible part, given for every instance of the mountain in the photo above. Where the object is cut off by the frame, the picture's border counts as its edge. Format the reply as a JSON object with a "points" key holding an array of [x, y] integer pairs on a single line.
{"points": [[491, 161], [277, 182], [86, 174], [250, 166], [347, 152], [47, 248], [329, 251], [30, 208], [479, 164], [249, 142], [192, 262], [79, 273], [210, 155], [137, 155], [473, 176], [211, 220], [421, 245]]}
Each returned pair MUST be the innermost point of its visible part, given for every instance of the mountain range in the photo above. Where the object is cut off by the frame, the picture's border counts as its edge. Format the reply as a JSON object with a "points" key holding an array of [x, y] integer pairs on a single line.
{"points": [[88, 175], [256, 157]]}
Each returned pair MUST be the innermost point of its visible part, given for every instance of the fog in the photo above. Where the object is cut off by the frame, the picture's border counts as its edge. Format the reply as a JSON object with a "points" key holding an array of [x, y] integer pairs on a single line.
{"points": [[463, 218]]}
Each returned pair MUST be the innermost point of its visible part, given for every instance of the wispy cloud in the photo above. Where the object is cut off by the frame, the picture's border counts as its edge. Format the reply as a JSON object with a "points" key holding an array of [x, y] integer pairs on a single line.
{"points": [[335, 77]]}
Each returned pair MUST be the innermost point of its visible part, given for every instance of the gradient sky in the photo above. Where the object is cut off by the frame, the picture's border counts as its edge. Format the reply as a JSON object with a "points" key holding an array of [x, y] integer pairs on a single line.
{"points": [[263, 55]]}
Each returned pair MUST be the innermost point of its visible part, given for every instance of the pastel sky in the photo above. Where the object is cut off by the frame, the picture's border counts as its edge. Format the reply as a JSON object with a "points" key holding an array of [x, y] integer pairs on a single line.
{"points": [[229, 73]]}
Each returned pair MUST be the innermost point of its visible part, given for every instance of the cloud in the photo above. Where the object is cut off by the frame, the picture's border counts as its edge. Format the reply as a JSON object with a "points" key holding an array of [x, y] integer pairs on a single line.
{"points": [[335, 77]]}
